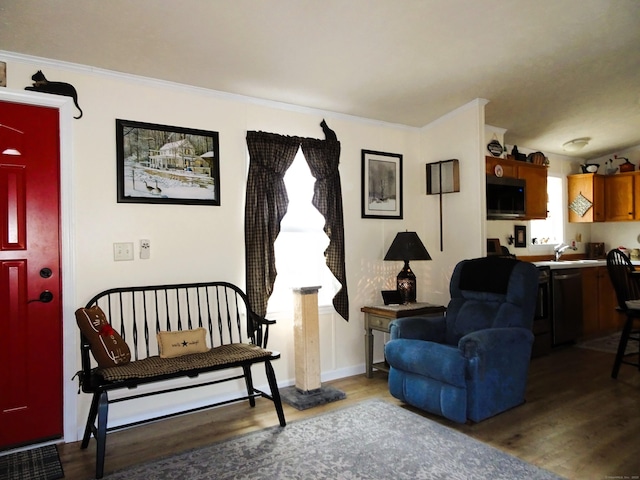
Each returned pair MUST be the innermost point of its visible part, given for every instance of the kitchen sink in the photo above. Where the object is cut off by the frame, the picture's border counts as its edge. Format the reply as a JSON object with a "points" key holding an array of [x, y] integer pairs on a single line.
{"points": [[569, 263]]}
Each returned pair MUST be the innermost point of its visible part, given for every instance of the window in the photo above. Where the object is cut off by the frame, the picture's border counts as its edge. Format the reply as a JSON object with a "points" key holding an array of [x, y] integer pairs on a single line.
{"points": [[300, 246], [551, 230]]}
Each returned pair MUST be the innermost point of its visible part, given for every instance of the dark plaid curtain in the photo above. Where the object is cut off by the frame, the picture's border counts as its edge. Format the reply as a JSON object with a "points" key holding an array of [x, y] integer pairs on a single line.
{"points": [[323, 157], [266, 204]]}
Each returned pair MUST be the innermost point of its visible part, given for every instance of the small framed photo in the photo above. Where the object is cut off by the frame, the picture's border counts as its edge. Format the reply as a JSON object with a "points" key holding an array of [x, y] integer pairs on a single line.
{"points": [[520, 234], [381, 185], [164, 164]]}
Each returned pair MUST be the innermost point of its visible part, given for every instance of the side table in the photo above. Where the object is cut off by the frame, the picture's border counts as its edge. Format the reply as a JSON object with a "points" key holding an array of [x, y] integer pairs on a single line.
{"points": [[379, 317]]}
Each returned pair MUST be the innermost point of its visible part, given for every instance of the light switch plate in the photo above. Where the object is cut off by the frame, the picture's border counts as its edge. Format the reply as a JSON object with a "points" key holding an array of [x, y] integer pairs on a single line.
{"points": [[123, 251]]}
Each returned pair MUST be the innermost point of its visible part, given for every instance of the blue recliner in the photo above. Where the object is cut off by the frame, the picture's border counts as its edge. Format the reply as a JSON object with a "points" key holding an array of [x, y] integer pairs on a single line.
{"points": [[473, 362]]}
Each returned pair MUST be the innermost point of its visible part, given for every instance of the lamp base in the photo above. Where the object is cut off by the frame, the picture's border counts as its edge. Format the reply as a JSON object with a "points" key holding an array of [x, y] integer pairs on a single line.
{"points": [[406, 284]]}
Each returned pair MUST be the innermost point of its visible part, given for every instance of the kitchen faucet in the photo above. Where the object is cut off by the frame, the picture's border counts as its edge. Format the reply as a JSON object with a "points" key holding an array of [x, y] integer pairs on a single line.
{"points": [[558, 250]]}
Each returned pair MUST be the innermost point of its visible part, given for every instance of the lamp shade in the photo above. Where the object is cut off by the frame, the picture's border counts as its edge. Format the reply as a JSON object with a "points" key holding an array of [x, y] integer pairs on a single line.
{"points": [[407, 246]]}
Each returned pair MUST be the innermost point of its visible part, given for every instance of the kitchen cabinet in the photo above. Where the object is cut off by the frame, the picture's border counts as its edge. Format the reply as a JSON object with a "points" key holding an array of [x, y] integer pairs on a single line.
{"points": [[534, 175], [619, 197], [590, 301], [536, 179], [615, 198], [599, 314], [509, 167], [591, 186]]}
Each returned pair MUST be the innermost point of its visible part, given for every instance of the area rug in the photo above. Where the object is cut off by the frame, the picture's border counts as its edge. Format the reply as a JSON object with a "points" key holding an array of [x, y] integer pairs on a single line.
{"points": [[608, 344], [373, 440], [41, 463]]}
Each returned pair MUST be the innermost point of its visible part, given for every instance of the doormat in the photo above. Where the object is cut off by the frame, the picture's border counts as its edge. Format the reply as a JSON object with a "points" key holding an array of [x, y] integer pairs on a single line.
{"points": [[42, 463], [609, 344]]}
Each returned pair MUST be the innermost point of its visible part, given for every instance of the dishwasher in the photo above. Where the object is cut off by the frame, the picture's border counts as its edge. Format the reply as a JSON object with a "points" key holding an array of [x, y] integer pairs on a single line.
{"points": [[566, 305]]}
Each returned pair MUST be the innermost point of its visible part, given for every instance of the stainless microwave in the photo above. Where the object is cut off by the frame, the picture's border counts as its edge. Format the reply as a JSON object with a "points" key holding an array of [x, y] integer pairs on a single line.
{"points": [[506, 198]]}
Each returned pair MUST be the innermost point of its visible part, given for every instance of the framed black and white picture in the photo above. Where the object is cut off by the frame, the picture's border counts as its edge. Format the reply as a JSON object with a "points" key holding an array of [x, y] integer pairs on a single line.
{"points": [[164, 164], [381, 185]]}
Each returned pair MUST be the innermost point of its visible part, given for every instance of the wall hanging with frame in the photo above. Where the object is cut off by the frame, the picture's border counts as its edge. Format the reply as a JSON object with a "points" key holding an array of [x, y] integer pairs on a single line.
{"points": [[381, 185], [443, 177], [520, 234], [164, 164]]}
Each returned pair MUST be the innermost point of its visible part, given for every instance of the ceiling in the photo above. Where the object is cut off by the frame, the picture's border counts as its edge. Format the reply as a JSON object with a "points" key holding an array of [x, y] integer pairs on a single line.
{"points": [[552, 70]]}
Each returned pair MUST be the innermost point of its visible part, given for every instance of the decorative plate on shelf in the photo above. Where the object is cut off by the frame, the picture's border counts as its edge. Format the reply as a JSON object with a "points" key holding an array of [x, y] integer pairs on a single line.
{"points": [[494, 148], [498, 170]]}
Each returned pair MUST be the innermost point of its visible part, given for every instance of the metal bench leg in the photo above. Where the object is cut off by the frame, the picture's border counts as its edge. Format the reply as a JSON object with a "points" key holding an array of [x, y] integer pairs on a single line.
{"points": [[91, 421], [275, 393], [624, 338], [101, 436]]}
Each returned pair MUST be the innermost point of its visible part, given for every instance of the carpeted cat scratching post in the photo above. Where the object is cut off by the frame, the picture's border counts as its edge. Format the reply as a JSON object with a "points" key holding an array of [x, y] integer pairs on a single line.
{"points": [[308, 391]]}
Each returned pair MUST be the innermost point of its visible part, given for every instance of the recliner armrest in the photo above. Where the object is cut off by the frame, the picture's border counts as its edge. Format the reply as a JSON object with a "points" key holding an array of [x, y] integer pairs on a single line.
{"points": [[494, 339], [419, 328]]}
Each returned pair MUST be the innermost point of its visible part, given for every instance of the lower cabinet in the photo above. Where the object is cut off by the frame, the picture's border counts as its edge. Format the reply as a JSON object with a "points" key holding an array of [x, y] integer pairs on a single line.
{"points": [[599, 302]]}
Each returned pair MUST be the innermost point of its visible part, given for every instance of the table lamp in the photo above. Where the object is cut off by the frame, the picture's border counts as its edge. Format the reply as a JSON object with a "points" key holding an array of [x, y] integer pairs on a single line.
{"points": [[407, 246]]}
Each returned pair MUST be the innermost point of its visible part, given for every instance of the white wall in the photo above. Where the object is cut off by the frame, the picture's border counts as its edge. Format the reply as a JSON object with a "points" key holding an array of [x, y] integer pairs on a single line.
{"points": [[196, 243], [458, 135]]}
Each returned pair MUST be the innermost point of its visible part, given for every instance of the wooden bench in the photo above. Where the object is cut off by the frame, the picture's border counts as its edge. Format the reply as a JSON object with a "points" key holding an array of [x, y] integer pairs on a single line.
{"points": [[237, 336]]}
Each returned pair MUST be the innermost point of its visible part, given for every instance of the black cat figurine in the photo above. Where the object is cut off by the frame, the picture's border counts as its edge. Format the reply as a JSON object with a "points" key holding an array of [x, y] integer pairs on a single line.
{"points": [[328, 133], [41, 84]]}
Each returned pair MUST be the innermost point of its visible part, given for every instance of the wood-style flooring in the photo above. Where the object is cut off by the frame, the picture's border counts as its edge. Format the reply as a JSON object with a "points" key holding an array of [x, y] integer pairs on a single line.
{"points": [[577, 422]]}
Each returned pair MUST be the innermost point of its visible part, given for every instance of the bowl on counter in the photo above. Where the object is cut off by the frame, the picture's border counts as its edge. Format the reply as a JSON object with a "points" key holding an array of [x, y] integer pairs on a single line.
{"points": [[590, 167]]}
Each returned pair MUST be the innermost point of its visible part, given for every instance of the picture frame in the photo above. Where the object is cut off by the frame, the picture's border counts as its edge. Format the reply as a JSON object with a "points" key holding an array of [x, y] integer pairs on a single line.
{"points": [[164, 164], [381, 185], [520, 234]]}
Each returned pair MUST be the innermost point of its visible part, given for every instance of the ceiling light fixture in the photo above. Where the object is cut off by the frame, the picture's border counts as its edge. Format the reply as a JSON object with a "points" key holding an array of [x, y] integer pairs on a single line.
{"points": [[576, 144]]}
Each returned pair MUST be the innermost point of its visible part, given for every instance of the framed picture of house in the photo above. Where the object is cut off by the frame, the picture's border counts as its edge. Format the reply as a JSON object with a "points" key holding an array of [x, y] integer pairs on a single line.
{"points": [[381, 185], [164, 164]]}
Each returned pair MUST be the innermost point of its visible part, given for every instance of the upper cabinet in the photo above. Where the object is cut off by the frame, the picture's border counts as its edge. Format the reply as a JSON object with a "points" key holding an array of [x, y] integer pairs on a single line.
{"points": [[591, 187], [618, 197], [614, 198], [535, 177]]}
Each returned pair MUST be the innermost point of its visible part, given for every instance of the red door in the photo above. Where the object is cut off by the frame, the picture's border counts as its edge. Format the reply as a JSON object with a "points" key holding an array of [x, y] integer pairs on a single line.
{"points": [[30, 277]]}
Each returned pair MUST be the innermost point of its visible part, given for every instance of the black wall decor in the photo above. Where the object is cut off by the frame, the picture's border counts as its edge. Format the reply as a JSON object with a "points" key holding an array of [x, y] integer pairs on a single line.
{"points": [[41, 84]]}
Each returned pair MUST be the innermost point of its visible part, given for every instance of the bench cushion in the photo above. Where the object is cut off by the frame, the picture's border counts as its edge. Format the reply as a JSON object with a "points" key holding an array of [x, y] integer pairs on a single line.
{"points": [[154, 366]]}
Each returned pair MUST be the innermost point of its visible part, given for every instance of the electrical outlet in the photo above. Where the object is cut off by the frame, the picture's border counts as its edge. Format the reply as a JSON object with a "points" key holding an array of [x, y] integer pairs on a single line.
{"points": [[123, 251], [145, 249]]}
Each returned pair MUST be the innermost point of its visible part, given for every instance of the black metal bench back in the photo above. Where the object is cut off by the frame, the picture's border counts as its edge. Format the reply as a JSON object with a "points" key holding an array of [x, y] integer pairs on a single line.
{"points": [[139, 313]]}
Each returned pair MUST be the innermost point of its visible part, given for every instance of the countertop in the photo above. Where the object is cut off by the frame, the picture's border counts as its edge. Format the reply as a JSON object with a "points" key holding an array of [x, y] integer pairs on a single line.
{"points": [[575, 263], [553, 265]]}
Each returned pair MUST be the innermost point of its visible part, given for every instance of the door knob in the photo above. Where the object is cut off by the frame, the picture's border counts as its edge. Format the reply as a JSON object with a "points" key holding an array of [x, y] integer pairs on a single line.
{"points": [[45, 297]]}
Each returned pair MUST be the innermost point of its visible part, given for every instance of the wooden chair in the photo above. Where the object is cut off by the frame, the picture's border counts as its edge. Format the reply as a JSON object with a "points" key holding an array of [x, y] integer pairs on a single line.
{"points": [[626, 282]]}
